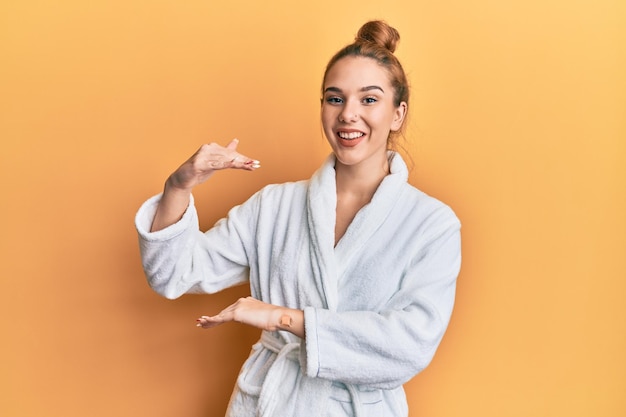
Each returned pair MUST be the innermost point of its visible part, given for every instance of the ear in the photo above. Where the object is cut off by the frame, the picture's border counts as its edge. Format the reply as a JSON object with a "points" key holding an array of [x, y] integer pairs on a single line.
{"points": [[398, 116]]}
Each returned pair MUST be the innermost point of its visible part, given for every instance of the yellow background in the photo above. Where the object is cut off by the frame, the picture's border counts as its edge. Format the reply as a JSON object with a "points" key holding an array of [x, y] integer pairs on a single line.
{"points": [[517, 122]]}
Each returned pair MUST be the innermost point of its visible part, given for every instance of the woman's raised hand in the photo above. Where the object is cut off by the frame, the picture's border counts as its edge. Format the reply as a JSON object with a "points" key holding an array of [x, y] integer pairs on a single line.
{"points": [[197, 169], [208, 159]]}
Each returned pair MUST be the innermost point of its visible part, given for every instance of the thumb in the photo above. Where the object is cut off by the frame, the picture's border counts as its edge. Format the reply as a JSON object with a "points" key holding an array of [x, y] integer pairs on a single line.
{"points": [[233, 144]]}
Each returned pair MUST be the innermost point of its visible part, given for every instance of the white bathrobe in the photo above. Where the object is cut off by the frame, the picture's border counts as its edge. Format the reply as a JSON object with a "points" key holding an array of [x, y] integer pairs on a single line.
{"points": [[375, 306]]}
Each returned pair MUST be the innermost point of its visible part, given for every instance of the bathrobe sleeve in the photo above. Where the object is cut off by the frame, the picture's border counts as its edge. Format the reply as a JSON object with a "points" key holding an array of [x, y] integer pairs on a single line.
{"points": [[181, 259], [384, 349]]}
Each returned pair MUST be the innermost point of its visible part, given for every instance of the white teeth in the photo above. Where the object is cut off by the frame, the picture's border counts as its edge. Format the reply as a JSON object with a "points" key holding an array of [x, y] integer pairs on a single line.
{"points": [[351, 135]]}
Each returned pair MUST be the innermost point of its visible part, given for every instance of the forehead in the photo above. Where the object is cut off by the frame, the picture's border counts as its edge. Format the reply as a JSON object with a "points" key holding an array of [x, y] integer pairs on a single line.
{"points": [[356, 72]]}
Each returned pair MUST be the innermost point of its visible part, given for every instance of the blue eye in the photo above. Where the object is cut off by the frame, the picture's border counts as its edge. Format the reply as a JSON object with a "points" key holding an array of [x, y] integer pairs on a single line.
{"points": [[370, 100], [334, 100]]}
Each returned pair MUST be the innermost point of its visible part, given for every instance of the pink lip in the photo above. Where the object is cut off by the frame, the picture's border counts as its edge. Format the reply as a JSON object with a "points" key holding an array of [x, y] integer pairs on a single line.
{"points": [[349, 143]]}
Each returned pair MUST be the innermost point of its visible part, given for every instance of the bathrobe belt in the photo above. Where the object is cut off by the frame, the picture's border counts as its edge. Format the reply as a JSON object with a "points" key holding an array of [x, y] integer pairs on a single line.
{"points": [[284, 382], [284, 370]]}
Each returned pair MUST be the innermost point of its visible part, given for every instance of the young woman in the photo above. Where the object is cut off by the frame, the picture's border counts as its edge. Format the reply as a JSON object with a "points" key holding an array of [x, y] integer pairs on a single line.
{"points": [[352, 273]]}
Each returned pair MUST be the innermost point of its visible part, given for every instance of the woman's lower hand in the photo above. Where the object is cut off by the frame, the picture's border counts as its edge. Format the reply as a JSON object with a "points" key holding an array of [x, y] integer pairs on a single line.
{"points": [[258, 314]]}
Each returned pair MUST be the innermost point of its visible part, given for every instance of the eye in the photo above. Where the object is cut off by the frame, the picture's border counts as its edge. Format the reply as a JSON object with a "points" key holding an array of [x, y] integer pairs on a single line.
{"points": [[334, 100], [370, 100]]}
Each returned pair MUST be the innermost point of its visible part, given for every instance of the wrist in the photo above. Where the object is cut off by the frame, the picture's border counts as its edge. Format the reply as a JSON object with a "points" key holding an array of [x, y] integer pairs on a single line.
{"points": [[285, 321], [291, 320], [173, 186]]}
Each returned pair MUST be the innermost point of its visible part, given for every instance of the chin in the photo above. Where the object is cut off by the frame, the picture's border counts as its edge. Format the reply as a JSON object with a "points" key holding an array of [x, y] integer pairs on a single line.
{"points": [[344, 159]]}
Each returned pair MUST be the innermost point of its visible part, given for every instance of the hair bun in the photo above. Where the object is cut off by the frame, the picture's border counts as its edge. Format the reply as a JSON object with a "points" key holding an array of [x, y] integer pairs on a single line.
{"points": [[380, 33]]}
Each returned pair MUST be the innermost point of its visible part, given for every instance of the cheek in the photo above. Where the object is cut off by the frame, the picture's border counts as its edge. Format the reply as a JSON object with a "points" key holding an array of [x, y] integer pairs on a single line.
{"points": [[380, 122], [385, 120], [326, 117]]}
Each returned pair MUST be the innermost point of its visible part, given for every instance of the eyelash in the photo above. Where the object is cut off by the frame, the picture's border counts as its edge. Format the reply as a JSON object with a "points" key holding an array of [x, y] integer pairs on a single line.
{"points": [[338, 100]]}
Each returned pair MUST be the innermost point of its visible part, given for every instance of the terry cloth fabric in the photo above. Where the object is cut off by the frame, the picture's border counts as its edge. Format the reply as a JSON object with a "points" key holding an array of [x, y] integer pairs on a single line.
{"points": [[375, 306]]}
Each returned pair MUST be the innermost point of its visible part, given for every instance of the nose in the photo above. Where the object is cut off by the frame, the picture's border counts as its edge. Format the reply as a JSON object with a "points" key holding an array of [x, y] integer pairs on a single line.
{"points": [[349, 112]]}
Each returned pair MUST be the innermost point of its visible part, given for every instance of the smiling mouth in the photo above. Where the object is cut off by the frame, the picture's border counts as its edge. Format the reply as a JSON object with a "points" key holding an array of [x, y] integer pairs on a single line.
{"points": [[350, 135]]}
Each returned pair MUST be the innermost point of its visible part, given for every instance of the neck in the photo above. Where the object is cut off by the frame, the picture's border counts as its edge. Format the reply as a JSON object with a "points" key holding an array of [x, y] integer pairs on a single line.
{"points": [[361, 180]]}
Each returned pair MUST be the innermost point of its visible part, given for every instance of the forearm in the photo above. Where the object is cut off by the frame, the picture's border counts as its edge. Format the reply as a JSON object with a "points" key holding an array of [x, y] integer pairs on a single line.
{"points": [[172, 206]]}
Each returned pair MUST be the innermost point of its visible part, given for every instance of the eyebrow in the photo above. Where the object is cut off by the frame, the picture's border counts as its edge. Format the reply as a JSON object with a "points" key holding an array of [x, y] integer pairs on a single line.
{"points": [[362, 89]]}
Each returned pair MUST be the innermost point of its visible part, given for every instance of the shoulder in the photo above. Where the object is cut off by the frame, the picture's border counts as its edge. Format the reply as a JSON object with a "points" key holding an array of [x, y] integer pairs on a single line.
{"points": [[426, 209], [418, 204], [277, 191], [277, 195]]}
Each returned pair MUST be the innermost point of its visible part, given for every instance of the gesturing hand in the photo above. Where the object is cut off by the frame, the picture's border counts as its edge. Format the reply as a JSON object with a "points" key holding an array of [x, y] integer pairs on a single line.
{"points": [[258, 314], [197, 169], [208, 159]]}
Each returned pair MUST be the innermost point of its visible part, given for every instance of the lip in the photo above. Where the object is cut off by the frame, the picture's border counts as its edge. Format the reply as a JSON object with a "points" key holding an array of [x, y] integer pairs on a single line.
{"points": [[349, 143]]}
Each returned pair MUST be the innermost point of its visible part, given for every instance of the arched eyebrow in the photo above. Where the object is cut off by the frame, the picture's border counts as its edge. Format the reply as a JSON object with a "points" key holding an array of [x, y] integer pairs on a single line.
{"points": [[362, 89]]}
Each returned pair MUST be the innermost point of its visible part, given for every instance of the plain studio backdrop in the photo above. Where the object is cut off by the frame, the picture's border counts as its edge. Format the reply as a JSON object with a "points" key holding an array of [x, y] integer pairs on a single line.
{"points": [[518, 121]]}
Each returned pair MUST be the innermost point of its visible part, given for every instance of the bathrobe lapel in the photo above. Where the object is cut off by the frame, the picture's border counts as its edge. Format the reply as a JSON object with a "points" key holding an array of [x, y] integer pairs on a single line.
{"points": [[286, 391], [321, 206], [370, 218], [329, 263]]}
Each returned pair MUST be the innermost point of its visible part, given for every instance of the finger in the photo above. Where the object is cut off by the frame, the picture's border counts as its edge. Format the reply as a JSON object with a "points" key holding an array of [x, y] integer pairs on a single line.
{"points": [[243, 162], [206, 319], [252, 164], [209, 322], [207, 325], [223, 317]]}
